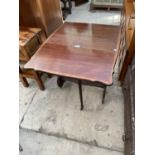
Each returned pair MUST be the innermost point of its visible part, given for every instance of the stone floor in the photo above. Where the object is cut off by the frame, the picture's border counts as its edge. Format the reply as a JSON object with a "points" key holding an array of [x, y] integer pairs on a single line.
{"points": [[51, 121]]}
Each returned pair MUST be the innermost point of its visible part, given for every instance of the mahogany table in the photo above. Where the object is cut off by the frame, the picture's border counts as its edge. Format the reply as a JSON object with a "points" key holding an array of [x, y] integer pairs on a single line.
{"points": [[85, 53]]}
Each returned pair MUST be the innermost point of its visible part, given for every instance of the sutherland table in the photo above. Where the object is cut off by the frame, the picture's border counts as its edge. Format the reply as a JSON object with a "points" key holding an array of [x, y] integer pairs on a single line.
{"points": [[83, 53]]}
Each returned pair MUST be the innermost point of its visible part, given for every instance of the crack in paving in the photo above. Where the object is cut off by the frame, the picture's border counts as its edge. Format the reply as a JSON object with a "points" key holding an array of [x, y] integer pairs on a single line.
{"points": [[29, 104], [64, 136]]}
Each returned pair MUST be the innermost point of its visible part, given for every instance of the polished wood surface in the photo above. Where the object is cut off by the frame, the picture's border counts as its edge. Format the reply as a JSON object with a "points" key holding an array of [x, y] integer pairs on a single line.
{"points": [[81, 51]]}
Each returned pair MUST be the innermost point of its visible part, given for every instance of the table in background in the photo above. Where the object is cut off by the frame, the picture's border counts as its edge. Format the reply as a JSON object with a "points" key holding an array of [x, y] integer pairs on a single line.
{"points": [[84, 53], [67, 8], [30, 40]]}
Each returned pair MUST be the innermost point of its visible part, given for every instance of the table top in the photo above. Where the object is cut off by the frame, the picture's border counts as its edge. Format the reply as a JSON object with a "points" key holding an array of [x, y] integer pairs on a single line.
{"points": [[26, 34], [81, 51]]}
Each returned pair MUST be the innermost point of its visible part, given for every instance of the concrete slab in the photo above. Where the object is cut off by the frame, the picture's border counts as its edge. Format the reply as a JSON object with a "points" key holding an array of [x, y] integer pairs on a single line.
{"points": [[57, 112], [39, 144], [25, 97]]}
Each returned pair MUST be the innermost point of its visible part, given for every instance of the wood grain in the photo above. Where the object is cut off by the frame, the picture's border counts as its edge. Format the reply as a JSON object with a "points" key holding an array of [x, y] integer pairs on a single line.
{"points": [[27, 34], [81, 51], [45, 14]]}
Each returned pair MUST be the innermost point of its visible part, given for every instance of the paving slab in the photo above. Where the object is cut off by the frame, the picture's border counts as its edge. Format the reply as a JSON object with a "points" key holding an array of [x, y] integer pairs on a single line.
{"points": [[56, 111], [25, 97], [40, 144]]}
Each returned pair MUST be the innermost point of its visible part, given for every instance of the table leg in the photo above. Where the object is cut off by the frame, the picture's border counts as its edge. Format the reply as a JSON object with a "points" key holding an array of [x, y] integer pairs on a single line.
{"points": [[49, 75], [20, 148], [104, 92], [70, 6], [39, 81], [60, 81], [23, 80], [80, 93]]}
